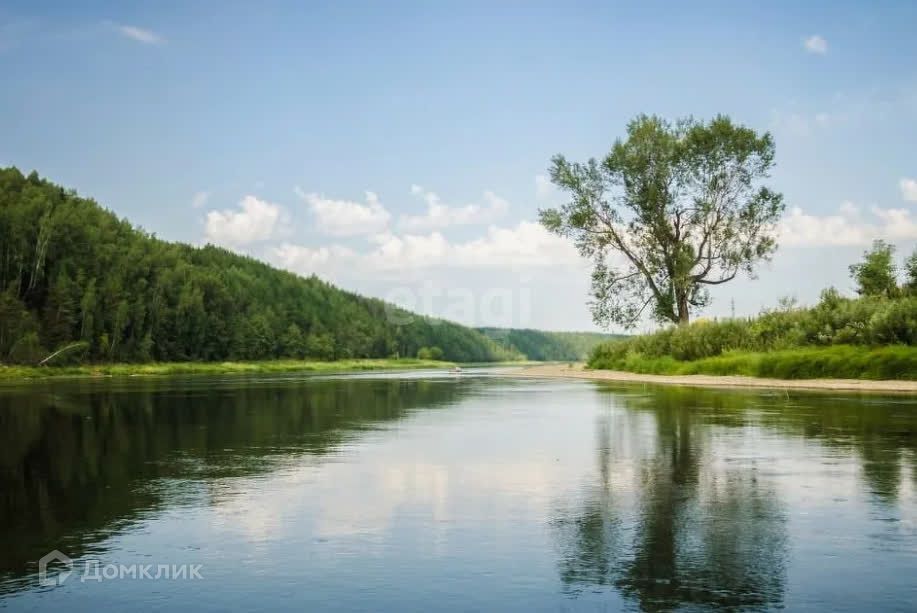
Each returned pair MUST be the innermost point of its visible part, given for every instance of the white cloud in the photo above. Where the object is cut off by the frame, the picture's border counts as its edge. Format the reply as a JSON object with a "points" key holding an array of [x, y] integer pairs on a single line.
{"points": [[200, 199], [345, 217], [141, 35], [908, 189], [306, 260], [816, 44], [847, 227], [409, 251], [897, 223], [256, 221], [441, 215], [527, 245]]}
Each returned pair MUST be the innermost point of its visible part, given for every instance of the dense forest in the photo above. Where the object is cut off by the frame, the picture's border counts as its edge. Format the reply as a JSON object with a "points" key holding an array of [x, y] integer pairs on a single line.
{"points": [[73, 274], [545, 346]]}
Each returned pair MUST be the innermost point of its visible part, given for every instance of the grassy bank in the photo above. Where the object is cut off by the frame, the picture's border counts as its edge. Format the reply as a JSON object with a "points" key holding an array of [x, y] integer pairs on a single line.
{"points": [[844, 338], [837, 362], [12, 373]]}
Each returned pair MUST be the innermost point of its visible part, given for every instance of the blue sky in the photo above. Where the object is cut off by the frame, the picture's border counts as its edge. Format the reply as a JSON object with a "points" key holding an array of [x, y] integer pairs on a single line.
{"points": [[262, 128]]}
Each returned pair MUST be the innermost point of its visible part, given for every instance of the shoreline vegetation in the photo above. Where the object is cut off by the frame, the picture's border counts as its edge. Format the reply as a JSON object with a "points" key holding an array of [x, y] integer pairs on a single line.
{"points": [[895, 362], [579, 371], [686, 206], [83, 293], [872, 337], [25, 373]]}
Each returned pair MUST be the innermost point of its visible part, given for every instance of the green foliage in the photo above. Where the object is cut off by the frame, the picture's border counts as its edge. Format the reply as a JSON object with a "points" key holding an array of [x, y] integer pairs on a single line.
{"points": [[544, 346], [13, 373], [876, 274], [292, 342], [778, 342], [15, 321], [27, 349], [680, 205], [70, 271], [429, 353], [837, 362], [910, 271]]}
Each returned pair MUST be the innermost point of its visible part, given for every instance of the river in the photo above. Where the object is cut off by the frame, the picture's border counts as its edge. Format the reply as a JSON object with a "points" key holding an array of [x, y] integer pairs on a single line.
{"points": [[428, 491]]}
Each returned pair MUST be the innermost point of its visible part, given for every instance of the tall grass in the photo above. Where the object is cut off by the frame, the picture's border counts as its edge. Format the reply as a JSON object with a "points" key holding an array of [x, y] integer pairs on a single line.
{"points": [[869, 338], [837, 362]]}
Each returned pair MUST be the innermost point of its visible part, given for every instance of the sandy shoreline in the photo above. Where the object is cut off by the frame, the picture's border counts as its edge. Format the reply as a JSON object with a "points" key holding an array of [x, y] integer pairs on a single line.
{"points": [[848, 385]]}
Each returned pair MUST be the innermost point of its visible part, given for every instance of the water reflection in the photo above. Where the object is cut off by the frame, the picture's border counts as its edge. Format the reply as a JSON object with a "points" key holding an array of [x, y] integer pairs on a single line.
{"points": [[79, 461], [426, 492], [684, 507], [692, 534], [880, 430]]}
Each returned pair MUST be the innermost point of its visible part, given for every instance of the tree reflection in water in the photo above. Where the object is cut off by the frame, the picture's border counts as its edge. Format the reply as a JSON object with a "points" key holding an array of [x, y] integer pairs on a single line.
{"points": [[677, 522], [80, 461], [668, 524]]}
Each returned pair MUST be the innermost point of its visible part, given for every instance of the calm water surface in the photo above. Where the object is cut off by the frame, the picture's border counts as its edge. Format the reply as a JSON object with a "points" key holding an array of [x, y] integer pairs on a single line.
{"points": [[429, 491]]}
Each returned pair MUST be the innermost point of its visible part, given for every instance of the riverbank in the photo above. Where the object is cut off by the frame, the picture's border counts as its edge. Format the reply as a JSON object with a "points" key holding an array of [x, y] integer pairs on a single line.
{"points": [[23, 373], [577, 371], [888, 363]]}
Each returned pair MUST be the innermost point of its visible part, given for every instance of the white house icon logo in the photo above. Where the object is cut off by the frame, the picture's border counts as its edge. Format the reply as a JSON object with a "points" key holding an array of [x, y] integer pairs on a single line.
{"points": [[46, 560]]}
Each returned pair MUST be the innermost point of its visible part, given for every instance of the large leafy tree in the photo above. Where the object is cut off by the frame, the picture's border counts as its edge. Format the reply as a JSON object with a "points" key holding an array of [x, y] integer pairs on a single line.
{"points": [[877, 274], [671, 210]]}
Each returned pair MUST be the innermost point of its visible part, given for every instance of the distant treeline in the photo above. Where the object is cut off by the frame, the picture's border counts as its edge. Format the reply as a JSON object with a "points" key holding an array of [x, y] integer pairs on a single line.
{"points": [[73, 274], [540, 345]]}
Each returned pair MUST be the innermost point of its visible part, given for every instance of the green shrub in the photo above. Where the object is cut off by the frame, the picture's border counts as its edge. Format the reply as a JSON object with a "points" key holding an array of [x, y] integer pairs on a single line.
{"points": [[837, 362], [894, 322], [429, 353], [870, 337], [27, 350], [834, 321]]}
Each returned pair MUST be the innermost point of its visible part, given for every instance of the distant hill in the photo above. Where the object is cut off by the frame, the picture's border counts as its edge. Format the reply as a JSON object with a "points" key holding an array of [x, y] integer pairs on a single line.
{"points": [[548, 346], [71, 271]]}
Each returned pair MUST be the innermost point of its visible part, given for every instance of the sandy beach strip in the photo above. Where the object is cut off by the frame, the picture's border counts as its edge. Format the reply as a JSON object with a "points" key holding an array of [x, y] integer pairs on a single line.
{"points": [[577, 371]]}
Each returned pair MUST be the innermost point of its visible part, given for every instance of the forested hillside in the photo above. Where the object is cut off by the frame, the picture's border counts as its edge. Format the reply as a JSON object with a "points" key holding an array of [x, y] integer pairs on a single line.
{"points": [[72, 272], [548, 346]]}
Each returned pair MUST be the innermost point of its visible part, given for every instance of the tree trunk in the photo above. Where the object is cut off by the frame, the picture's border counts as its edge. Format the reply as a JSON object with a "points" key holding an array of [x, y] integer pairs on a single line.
{"points": [[683, 314]]}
